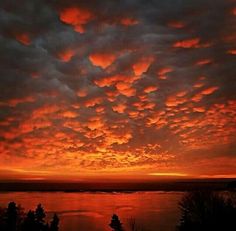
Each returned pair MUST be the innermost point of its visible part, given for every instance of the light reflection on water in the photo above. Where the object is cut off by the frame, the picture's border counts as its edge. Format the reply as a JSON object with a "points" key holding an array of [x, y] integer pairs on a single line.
{"points": [[92, 211]]}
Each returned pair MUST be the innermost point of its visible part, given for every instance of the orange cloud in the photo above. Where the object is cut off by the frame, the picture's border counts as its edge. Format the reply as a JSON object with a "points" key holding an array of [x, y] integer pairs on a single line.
{"points": [[128, 21], [102, 60], [69, 114], [93, 101], [203, 62], [142, 106], [74, 125], [120, 108], [95, 123], [209, 90], [111, 95], [142, 65], [66, 55], [112, 80], [77, 17], [100, 109], [82, 92], [16, 101], [231, 52], [45, 111], [198, 85], [164, 70], [174, 100], [176, 24], [29, 126], [199, 109], [204, 92], [188, 43], [23, 38], [125, 89], [150, 89]]}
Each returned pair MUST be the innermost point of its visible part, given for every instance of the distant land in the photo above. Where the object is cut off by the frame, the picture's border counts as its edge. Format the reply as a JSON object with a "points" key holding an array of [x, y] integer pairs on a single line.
{"points": [[164, 185]]}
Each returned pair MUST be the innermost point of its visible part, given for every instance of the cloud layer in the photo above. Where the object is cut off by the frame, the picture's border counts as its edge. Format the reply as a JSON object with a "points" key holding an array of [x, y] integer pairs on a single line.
{"points": [[131, 87]]}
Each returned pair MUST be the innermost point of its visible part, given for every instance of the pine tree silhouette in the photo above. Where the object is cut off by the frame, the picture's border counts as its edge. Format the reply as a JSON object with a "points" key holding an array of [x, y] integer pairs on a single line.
{"points": [[40, 214], [39, 218], [11, 216], [54, 223], [29, 223], [115, 224]]}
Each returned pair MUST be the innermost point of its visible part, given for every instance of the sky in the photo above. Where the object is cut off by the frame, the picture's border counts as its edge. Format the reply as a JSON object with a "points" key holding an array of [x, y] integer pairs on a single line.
{"points": [[121, 89]]}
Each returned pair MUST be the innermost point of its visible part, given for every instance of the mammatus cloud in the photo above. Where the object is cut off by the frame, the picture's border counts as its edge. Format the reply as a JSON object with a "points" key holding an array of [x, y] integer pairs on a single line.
{"points": [[118, 88]]}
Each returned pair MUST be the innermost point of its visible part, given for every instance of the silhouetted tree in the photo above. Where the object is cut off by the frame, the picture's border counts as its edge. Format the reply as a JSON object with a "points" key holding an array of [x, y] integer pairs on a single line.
{"points": [[115, 224], [39, 218], [40, 214], [11, 216], [29, 223], [2, 216], [54, 223], [205, 211]]}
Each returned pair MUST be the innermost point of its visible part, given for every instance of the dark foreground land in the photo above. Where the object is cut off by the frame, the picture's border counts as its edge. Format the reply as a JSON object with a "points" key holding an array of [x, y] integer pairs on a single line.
{"points": [[164, 185], [199, 211]]}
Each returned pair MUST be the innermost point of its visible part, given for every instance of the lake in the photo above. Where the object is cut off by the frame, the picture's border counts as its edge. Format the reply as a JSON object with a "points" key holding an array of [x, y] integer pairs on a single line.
{"points": [[89, 211]]}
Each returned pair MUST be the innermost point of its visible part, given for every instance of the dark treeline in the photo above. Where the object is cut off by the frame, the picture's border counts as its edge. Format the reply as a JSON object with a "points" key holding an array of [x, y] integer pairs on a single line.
{"points": [[200, 211], [13, 218], [207, 210]]}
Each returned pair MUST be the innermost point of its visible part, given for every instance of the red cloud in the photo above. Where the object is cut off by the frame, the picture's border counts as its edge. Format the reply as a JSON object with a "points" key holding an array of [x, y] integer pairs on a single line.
{"points": [[198, 85], [209, 90], [150, 89], [232, 52], [82, 92], [29, 126], [128, 21], [191, 43], [92, 102], [23, 38], [142, 65], [66, 55], [102, 60], [176, 24], [199, 109], [45, 111], [77, 17], [120, 108], [203, 62], [125, 89], [69, 114], [175, 100], [142, 106], [111, 80], [204, 92], [163, 71], [14, 102], [95, 123], [188, 43]]}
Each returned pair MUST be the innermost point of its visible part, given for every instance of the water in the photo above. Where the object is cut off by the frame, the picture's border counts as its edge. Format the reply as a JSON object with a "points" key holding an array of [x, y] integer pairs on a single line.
{"points": [[153, 211]]}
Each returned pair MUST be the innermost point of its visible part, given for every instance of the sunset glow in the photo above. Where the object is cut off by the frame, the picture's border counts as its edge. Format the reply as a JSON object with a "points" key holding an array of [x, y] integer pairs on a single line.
{"points": [[118, 90]]}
